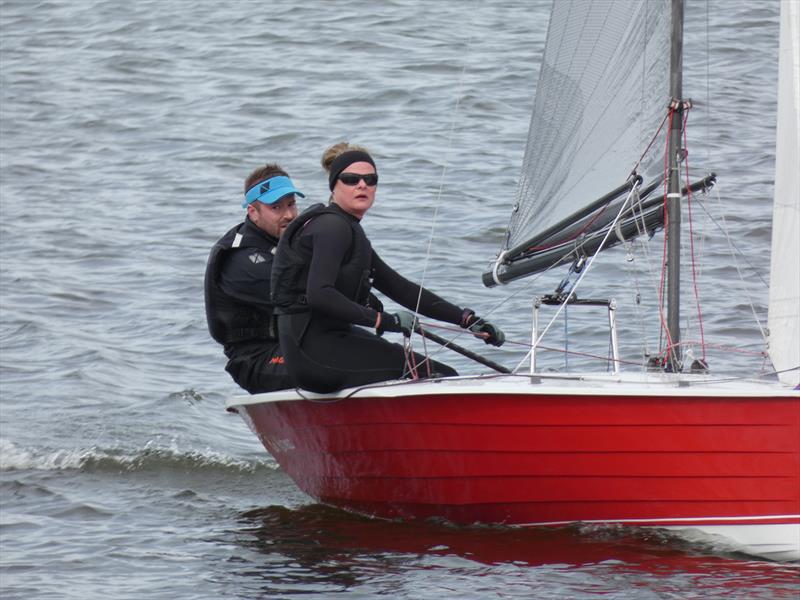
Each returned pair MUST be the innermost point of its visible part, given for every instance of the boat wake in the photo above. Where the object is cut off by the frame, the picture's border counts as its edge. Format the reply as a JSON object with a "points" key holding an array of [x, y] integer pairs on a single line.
{"points": [[151, 457]]}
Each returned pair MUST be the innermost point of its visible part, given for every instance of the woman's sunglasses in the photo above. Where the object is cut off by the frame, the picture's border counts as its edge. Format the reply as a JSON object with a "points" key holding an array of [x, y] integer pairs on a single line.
{"points": [[371, 179]]}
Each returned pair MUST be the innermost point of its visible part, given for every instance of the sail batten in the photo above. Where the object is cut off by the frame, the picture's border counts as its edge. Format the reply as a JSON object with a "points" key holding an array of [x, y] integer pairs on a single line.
{"points": [[602, 95]]}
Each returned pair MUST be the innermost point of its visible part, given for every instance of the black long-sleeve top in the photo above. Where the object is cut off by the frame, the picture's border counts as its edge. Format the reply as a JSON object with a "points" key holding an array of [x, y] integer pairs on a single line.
{"points": [[328, 238]]}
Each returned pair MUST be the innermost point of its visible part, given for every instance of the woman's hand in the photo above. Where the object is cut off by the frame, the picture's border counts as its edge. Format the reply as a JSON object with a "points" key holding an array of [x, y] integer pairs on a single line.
{"points": [[488, 332], [401, 321]]}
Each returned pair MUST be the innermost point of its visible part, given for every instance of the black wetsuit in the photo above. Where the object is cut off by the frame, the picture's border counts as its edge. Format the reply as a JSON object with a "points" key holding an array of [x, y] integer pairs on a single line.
{"points": [[239, 311], [318, 304]]}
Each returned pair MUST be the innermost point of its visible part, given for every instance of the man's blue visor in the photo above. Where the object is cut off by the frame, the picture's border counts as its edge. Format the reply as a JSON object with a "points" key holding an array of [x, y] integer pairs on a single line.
{"points": [[271, 190]]}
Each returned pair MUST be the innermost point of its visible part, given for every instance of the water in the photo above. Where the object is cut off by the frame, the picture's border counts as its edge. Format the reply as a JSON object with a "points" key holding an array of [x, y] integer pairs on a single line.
{"points": [[127, 130]]}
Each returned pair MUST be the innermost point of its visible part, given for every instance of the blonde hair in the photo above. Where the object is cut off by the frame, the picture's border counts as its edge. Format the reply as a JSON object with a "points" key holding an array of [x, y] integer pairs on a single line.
{"points": [[339, 148]]}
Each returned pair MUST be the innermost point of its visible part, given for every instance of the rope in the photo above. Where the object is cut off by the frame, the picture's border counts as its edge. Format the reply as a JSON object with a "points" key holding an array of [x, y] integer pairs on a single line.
{"points": [[652, 141], [691, 239], [566, 351], [582, 274], [720, 347], [652, 277], [524, 289], [410, 366], [576, 235]]}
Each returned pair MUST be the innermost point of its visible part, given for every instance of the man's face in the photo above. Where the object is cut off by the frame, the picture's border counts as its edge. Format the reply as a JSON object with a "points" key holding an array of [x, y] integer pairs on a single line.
{"points": [[273, 218]]}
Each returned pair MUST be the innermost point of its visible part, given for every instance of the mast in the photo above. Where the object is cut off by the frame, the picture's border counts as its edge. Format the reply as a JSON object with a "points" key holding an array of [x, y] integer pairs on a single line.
{"points": [[673, 226]]}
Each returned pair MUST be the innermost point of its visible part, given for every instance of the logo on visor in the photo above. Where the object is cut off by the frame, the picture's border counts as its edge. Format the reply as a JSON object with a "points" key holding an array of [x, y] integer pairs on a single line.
{"points": [[264, 187]]}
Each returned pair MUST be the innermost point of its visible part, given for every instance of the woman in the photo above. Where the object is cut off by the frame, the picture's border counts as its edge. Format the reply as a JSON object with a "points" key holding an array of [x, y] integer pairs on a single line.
{"points": [[323, 271]]}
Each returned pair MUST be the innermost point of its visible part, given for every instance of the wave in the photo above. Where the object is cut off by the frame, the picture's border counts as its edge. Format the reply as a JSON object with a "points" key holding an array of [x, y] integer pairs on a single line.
{"points": [[151, 457]]}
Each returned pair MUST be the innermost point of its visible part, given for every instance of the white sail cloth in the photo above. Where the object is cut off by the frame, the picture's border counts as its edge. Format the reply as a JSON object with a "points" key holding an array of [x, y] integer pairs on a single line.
{"points": [[603, 90], [784, 296]]}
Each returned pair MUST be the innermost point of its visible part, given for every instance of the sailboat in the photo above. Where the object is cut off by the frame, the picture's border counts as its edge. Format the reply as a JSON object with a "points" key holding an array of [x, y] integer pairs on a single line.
{"points": [[668, 445]]}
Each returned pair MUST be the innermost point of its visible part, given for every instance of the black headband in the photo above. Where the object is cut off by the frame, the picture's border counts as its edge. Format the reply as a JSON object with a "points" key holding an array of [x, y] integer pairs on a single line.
{"points": [[344, 160]]}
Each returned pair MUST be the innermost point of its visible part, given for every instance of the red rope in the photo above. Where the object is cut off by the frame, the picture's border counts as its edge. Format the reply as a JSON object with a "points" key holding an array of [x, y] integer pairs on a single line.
{"points": [[573, 352], [573, 237], [720, 347], [652, 141], [411, 366]]}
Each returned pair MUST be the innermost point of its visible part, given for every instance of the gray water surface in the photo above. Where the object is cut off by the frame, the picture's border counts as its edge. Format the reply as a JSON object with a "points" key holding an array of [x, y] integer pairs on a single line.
{"points": [[126, 131]]}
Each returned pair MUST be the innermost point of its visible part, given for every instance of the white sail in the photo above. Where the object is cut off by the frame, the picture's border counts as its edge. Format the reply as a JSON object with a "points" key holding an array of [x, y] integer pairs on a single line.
{"points": [[602, 95], [603, 91], [784, 294]]}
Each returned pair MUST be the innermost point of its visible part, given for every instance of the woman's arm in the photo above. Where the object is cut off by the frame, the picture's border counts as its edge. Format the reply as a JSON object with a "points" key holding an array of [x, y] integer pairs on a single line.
{"points": [[406, 293], [401, 290]]}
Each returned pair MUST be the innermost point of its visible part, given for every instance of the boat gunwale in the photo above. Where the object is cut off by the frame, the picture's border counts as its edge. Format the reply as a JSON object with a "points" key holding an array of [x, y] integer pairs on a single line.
{"points": [[549, 384]]}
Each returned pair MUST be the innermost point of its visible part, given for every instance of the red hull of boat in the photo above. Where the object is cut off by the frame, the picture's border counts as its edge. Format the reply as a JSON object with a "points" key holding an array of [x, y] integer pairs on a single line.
{"points": [[530, 459]]}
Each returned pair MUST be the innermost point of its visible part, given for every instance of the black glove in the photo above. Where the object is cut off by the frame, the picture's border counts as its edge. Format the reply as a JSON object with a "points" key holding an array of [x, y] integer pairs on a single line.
{"points": [[374, 303], [402, 321], [476, 325], [496, 336]]}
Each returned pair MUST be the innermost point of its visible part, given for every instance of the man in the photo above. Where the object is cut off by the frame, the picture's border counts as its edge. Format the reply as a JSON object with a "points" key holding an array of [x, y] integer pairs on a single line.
{"points": [[237, 283]]}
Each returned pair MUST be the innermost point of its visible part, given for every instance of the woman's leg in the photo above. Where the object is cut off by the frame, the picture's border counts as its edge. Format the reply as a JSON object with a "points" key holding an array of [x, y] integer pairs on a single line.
{"points": [[324, 359], [427, 367]]}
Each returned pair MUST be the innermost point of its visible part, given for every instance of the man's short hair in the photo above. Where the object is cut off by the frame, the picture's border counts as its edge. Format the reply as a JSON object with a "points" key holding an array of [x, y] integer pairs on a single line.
{"points": [[262, 173]]}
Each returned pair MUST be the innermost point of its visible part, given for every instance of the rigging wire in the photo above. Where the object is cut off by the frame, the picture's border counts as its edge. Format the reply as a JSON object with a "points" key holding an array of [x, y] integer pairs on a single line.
{"points": [[731, 247], [735, 250], [669, 115], [652, 277], [573, 352], [634, 276], [581, 276], [410, 366], [691, 237], [525, 288], [664, 328], [450, 135], [652, 141]]}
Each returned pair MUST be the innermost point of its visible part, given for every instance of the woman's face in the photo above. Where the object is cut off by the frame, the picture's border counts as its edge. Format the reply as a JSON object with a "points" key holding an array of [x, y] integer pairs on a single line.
{"points": [[358, 198]]}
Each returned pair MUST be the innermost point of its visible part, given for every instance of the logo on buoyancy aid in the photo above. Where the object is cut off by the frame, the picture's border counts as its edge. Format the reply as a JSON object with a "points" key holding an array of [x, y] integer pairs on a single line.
{"points": [[257, 258]]}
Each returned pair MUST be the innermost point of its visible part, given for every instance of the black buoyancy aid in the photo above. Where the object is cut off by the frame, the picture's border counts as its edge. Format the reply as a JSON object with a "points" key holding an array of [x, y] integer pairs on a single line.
{"points": [[231, 320], [291, 264]]}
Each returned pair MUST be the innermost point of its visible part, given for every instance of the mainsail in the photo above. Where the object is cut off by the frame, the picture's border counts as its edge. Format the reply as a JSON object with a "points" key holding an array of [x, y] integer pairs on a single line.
{"points": [[784, 295], [601, 103]]}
